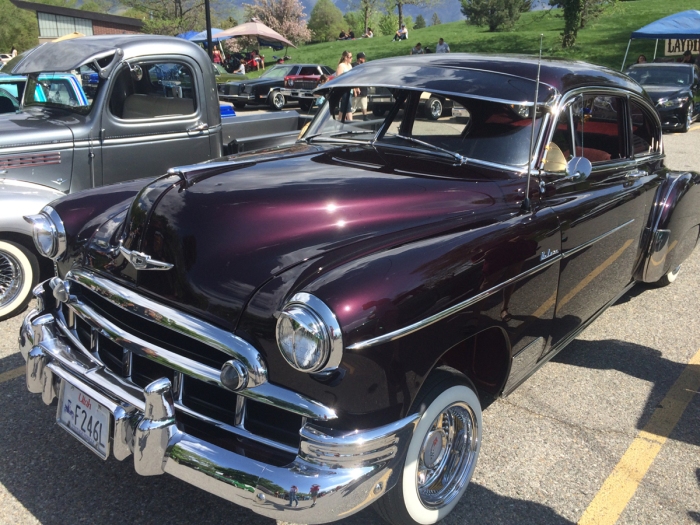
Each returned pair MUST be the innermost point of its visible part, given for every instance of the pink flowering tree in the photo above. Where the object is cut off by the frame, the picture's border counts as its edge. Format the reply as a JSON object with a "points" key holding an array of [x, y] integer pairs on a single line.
{"points": [[284, 16]]}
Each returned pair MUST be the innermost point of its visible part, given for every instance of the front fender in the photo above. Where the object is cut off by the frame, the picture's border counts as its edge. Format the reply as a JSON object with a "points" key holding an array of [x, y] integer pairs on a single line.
{"points": [[675, 221], [17, 199]]}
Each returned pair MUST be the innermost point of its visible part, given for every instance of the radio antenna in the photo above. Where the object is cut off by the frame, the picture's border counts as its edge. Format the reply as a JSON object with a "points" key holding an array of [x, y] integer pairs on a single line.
{"points": [[526, 206]]}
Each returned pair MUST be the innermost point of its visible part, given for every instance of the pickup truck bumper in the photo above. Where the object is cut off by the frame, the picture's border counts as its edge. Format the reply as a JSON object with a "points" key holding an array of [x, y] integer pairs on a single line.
{"points": [[350, 469]]}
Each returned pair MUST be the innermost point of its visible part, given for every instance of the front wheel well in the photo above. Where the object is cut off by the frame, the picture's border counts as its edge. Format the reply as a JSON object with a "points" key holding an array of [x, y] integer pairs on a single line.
{"points": [[46, 269], [484, 358]]}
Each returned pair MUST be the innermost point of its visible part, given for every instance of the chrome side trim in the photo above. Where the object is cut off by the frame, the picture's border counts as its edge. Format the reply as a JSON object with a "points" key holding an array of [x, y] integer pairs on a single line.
{"points": [[177, 321], [402, 332], [586, 244]]}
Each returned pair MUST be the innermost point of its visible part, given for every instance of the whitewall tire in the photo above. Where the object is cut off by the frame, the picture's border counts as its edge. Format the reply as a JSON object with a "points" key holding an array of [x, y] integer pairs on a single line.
{"points": [[19, 273], [442, 454]]}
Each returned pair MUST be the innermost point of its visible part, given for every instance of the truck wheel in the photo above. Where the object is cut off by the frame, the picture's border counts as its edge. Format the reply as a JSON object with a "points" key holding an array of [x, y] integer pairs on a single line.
{"points": [[305, 105], [239, 105], [433, 108], [19, 273], [277, 101], [669, 278], [442, 453]]}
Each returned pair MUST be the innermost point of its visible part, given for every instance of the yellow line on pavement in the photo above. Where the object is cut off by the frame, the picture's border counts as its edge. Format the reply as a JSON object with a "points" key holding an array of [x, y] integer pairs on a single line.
{"points": [[11, 374], [622, 483]]}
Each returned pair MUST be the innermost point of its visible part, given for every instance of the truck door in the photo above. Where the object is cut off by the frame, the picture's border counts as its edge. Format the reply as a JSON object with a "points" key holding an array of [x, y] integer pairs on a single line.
{"points": [[153, 119]]}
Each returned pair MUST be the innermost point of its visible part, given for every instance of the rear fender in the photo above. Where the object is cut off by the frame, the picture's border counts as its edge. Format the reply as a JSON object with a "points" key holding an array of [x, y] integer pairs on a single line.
{"points": [[673, 231]]}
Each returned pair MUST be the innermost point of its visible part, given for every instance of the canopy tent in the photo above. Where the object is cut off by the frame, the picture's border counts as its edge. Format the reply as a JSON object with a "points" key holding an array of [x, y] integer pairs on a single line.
{"points": [[265, 35], [201, 37], [685, 24]]}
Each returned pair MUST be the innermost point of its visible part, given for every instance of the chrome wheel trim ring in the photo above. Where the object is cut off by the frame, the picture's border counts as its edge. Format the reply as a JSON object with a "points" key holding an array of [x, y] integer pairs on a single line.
{"points": [[456, 428], [278, 100], [11, 278], [436, 108]]}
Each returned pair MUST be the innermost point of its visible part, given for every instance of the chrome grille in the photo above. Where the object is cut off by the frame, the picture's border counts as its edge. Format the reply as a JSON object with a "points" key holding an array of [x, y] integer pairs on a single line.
{"points": [[305, 84], [145, 351]]}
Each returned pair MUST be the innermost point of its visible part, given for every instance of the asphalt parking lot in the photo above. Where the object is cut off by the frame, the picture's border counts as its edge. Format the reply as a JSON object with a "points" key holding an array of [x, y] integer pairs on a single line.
{"points": [[608, 430]]}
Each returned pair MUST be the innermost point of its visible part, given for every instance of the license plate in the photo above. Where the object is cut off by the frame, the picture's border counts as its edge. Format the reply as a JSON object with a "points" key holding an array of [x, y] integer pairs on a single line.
{"points": [[84, 418]]}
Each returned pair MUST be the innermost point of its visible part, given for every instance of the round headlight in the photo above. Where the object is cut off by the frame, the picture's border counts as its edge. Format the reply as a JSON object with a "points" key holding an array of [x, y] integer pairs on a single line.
{"points": [[308, 335], [48, 232]]}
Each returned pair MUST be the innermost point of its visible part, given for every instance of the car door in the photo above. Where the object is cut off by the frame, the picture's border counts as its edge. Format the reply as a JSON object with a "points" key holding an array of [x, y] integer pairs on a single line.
{"points": [[602, 216], [154, 119]]}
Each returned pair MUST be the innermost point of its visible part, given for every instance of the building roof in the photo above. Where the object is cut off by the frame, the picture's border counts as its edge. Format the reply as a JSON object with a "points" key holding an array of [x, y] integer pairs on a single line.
{"points": [[79, 13]]}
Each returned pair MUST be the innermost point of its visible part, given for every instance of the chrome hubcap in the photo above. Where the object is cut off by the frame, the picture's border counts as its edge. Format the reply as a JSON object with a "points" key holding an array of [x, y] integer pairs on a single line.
{"points": [[446, 456], [436, 109], [11, 278]]}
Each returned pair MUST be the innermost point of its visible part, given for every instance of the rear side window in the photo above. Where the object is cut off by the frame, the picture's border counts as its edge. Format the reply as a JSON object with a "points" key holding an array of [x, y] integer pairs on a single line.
{"points": [[153, 90], [591, 127], [645, 135]]}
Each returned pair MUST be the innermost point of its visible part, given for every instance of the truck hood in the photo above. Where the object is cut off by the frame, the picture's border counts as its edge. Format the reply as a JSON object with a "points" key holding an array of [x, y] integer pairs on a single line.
{"points": [[231, 230], [35, 128]]}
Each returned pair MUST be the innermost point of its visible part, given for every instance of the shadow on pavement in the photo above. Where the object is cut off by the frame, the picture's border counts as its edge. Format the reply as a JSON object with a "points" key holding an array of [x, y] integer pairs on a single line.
{"points": [[636, 361], [58, 480]]}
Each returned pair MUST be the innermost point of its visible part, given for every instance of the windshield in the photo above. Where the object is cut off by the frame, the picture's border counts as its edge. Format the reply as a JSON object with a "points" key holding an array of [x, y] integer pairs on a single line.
{"points": [[277, 72], [662, 76], [59, 90], [457, 129]]}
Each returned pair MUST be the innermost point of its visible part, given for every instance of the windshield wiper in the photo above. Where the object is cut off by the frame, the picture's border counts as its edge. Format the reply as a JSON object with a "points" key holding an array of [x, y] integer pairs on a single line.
{"points": [[459, 158], [352, 132]]}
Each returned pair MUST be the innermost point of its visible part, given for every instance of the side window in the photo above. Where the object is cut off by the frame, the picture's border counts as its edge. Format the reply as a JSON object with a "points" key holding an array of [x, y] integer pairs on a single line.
{"points": [[645, 135], [592, 124], [153, 90]]}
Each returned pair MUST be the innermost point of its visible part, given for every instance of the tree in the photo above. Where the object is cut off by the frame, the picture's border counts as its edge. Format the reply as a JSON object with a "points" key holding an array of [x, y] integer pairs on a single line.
{"points": [[494, 13], [368, 8], [588, 9], [17, 27], [420, 22], [168, 17], [398, 5], [435, 20], [96, 6], [326, 21], [388, 23], [284, 16]]}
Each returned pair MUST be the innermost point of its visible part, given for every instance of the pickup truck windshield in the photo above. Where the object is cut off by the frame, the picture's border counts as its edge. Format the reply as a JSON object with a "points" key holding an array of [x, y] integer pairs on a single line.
{"points": [[59, 90], [457, 129]]}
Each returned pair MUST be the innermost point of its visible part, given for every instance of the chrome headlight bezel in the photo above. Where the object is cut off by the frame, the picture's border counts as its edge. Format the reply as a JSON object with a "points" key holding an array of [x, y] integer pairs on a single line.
{"points": [[48, 233], [310, 314]]}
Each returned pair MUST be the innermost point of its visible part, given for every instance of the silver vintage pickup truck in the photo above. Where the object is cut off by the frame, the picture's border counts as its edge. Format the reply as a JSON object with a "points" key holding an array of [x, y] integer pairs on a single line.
{"points": [[155, 106]]}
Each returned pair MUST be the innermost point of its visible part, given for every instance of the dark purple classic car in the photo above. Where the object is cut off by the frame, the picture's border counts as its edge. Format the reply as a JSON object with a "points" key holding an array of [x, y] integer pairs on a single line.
{"points": [[309, 331]]}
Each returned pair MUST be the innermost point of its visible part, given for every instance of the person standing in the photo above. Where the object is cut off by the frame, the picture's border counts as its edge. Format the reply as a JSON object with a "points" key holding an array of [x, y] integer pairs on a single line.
{"points": [[417, 50], [216, 56], [293, 495], [344, 65], [360, 97], [314, 493], [13, 53], [442, 47]]}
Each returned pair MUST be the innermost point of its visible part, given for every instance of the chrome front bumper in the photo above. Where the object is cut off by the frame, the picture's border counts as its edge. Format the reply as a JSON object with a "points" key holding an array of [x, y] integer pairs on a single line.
{"points": [[351, 469], [298, 93]]}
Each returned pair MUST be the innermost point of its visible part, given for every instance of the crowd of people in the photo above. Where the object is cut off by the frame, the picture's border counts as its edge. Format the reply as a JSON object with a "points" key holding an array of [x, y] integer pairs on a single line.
{"points": [[350, 35]]}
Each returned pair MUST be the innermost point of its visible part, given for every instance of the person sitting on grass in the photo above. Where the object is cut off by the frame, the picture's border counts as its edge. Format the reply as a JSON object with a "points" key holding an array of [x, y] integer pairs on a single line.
{"points": [[369, 33], [418, 50], [401, 34]]}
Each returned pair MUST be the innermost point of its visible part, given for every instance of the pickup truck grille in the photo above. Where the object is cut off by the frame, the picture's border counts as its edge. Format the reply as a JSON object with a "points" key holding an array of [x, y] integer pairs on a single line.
{"points": [[200, 406]]}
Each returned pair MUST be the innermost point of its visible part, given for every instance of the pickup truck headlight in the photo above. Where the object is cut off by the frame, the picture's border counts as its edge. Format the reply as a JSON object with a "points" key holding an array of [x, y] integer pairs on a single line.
{"points": [[308, 335], [48, 232]]}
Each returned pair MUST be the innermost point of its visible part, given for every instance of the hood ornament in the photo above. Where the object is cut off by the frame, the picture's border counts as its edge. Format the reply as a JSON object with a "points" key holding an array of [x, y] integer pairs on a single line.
{"points": [[141, 261]]}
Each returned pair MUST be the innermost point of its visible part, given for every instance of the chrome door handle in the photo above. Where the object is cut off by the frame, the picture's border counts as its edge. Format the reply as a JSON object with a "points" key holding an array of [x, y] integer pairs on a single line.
{"points": [[198, 128], [636, 174]]}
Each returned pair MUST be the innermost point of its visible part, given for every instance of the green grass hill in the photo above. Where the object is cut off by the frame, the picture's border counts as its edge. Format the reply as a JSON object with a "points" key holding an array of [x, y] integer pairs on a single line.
{"points": [[603, 41]]}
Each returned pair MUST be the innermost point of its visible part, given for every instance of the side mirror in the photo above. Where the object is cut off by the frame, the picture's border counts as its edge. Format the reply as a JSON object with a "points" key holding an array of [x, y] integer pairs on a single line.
{"points": [[578, 169]]}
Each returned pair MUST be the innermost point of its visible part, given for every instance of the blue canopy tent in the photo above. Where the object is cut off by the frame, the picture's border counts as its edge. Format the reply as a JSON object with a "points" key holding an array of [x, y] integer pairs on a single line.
{"points": [[685, 24]]}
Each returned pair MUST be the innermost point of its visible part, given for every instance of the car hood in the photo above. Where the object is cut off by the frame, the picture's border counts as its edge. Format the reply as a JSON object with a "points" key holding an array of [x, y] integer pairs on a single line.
{"points": [[233, 229], [36, 128], [658, 92]]}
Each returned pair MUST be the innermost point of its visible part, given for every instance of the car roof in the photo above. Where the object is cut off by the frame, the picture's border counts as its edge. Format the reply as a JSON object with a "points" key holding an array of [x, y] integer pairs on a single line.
{"points": [[661, 64], [456, 72]]}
